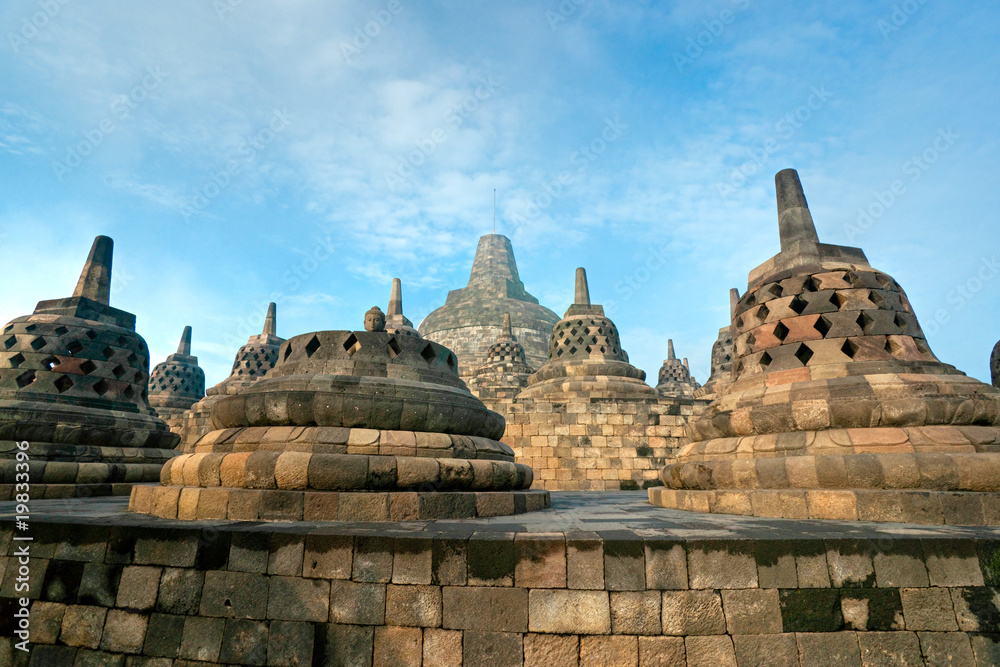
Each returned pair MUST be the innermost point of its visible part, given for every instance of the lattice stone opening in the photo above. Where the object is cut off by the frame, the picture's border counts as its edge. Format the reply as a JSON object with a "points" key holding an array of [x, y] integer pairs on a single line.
{"points": [[803, 354], [118, 371], [24, 379], [17, 360], [900, 323], [129, 392], [428, 353], [798, 304], [865, 321], [10, 342], [91, 334], [775, 289], [876, 297], [781, 331], [351, 345], [823, 326], [108, 352], [48, 363], [288, 351], [30, 327], [88, 367], [63, 383], [850, 348], [75, 347], [131, 358], [122, 341], [762, 313], [393, 348], [810, 285], [101, 387], [312, 346], [37, 343], [765, 360], [61, 331]]}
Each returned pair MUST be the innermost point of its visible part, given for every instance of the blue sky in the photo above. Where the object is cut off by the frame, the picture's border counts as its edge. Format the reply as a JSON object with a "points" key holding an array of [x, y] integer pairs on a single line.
{"points": [[308, 152]]}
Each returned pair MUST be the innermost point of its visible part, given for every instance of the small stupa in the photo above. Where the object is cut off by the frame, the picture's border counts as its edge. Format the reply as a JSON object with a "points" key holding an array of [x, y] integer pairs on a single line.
{"points": [[177, 383], [73, 385], [837, 407], [348, 426], [674, 378], [395, 321], [722, 356], [505, 373]]}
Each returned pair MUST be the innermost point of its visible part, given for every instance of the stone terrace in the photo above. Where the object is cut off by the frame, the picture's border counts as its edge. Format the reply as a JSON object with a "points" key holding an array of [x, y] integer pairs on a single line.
{"points": [[599, 579]]}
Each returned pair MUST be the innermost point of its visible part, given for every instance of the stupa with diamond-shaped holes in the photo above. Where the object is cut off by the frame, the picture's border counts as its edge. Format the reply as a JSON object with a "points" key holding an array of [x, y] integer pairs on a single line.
{"points": [[73, 385], [674, 378], [505, 373], [176, 383], [837, 408]]}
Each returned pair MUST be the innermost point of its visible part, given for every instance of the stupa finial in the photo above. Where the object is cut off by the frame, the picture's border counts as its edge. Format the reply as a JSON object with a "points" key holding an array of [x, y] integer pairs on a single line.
{"points": [[734, 299], [795, 223], [95, 279], [670, 349], [184, 347], [582, 297], [396, 298], [271, 321], [506, 325]]}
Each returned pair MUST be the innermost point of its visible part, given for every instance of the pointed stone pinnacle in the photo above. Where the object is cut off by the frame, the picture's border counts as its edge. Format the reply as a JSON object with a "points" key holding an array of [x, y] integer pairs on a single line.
{"points": [[271, 321], [734, 300], [396, 298], [795, 222], [582, 297], [506, 326], [184, 347], [670, 349], [95, 279], [685, 362]]}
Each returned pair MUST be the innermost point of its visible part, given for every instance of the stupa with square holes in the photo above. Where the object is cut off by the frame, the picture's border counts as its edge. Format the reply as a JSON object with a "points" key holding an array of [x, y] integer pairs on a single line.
{"points": [[73, 384], [176, 383], [837, 407]]}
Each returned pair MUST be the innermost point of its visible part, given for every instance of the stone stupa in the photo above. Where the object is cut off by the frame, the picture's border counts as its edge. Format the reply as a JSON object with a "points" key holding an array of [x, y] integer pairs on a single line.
{"points": [[176, 383], [73, 384], [349, 426], [505, 372], [470, 320], [252, 363], [674, 378], [837, 407], [395, 321]]}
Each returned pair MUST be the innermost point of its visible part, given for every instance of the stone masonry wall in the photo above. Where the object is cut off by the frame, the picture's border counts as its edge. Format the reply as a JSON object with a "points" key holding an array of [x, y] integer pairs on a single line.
{"points": [[588, 445], [181, 597]]}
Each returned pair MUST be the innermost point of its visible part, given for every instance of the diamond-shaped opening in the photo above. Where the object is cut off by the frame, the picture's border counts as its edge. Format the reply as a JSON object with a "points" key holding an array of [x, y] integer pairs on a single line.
{"points": [[573, 331], [428, 353], [108, 352], [889, 347], [572, 350], [822, 326], [922, 345], [75, 347], [579, 339], [38, 343], [48, 363], [351, 345], [803, 354], [452, 361], [762, 313], [312, 346], [122, 341], [25, 378], [798, 304], [63, 383], [102, 387], [850, 348], [61, 331], [88, 367], [876, 297], [587, 349], [288, 352], [7, 328], [751, 339], [30, 327], [559, 352], [853, 279], [118, 371], [781, 331], [900, 323], [837, 300], [865, 321], [91, 334], [765, 360], [884, 280], [393, 348], [810, 285], [129, 392], [16, 360], [750, 299], [10, 342], [775, 289], [131, 358]]}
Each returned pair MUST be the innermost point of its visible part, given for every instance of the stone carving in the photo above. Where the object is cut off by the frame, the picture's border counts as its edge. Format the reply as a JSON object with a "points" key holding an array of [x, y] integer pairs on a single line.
{"points": [[395, 321], [73, 384], [177, 383], [252, 363], [470, 320], [837, 406], [375, 320], [348, 425], [675, 377]]}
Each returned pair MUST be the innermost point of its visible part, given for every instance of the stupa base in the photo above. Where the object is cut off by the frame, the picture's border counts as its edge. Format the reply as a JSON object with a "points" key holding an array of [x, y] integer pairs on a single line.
{"points": [[219, 503], [957, 508], [51, 491]]}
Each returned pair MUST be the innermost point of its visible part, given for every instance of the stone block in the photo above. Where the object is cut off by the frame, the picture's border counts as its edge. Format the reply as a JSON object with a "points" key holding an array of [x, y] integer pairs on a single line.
{"points": [[449, 564], [99, 584], [829, 649], [488, 609], [180, 591], [890, 649], [666, 565], [952, 563], [234, 595], [83, 626], [344, 645], [811, 610], [987, 650], [710, 651], [398, 647], [42, 656], [772, 650], [163, 635], [543, 650], [418, 606], [290, 644], [721, 564], [412, 558], [872, 609], [248, 552], [328, 556], [489, 649], [624, 561], [609, 651], [202, 638], [169, 548], [569, 611], [898, 565], [442, 648], [584, 562], [298, 599], [491, 559], [540, 561], [286, 554], [636, 612], [928, 609], [692, 613], [661, 651], [850, 564], [948, 649], [244, 642], [776, 564], [124, 631], [46, 621], [372, 559], [138, 587], [752, 611], [357, 603]]}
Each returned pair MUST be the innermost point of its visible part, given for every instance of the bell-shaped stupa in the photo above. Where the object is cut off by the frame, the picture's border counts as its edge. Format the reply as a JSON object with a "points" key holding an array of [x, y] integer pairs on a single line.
{"points": [[73, 385], [837, 406], [674, 378], [350, 426], [252, 363], [505, 372], [177, 383], [470, 320]]}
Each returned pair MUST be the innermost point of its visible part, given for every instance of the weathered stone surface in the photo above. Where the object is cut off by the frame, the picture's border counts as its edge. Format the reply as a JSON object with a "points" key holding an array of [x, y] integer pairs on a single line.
{"points": [[565, 612]]}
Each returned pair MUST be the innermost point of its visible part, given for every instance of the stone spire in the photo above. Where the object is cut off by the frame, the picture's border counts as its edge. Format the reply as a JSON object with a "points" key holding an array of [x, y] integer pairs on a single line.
{"points": [[582, 295], [674, 379], [795, 223], [95, 279], [184, 347], [670, 349], [395, 321], [734, 299], [494, 262], [505, 331], [271, 320]]}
